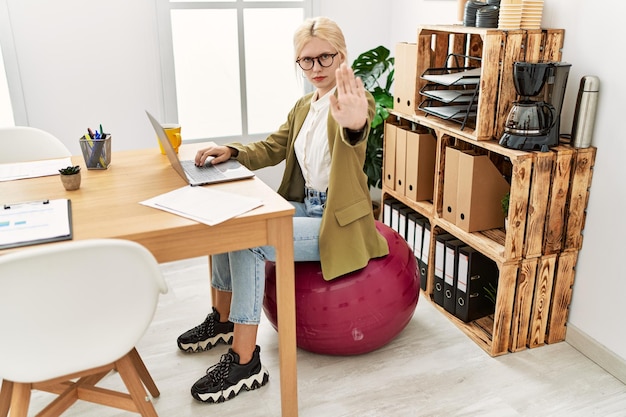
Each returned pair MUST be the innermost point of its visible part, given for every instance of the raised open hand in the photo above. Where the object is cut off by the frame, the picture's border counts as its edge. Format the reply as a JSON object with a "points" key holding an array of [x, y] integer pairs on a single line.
{"points": [[349, 107]]}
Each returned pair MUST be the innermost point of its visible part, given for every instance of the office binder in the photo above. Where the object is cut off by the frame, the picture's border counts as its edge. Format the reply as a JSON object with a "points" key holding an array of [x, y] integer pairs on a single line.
{"points": [[35, 222], [387, 206], [440, 260], [425, 250], [450, 274], [403, 217], [395, 215], [410, 231], [476, 274]]}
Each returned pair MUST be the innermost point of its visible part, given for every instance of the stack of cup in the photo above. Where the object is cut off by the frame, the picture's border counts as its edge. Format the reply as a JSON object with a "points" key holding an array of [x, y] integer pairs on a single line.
{"points": [[532, 12], [510, 14]]}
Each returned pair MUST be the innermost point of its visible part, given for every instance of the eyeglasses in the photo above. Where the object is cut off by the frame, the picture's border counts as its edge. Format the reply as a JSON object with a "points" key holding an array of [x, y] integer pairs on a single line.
{"points": [[325, 61]]}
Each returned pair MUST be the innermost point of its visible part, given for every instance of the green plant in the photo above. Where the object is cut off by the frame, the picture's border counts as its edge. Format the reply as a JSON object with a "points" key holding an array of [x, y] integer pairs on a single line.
{"points": [[373, 67], [505, 204], [70, 170], [490, 293]]}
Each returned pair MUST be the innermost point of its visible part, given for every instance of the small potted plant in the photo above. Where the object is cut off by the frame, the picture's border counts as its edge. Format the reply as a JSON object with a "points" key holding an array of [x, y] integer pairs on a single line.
{"points": [[70, 177], [505, 208]]}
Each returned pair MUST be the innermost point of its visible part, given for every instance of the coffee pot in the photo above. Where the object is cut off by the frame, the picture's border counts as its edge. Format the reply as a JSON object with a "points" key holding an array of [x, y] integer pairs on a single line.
{"points": [[531, 118], [533, 122]]}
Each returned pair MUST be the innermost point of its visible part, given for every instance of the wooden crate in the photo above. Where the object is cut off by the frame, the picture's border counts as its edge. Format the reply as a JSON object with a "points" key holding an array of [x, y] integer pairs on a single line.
{"points": [[561, 296], [497, 50], [558, 198], [542, 297]]}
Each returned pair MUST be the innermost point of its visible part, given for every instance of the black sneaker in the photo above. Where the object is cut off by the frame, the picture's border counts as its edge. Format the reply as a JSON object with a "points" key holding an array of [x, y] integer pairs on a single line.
{"points": [[207, 335], [227, 378]]}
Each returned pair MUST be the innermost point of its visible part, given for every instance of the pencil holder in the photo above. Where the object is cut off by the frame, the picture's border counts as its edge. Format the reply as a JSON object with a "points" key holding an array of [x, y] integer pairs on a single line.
{"points": [[97, 152]]}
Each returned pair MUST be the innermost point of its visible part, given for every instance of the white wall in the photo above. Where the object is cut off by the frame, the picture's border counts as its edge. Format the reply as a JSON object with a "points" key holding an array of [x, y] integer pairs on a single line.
{"points": [[88, 62]]}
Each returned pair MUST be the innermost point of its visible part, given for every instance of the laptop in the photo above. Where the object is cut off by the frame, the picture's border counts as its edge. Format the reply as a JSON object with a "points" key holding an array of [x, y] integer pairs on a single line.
{"points": [[230, 170]]}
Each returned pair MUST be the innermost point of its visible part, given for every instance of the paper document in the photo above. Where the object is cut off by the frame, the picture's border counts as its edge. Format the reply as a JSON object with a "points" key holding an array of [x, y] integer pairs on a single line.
{"points": [[32, 169], [204, 205], [34, 222], [471, 76]]}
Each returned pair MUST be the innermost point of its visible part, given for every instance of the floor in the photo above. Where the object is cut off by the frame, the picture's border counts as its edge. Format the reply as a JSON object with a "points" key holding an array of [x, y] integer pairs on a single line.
{"points": [[431, 369]]}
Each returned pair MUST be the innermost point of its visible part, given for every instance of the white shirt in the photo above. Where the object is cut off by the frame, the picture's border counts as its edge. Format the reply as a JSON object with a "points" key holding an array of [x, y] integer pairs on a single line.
{"points": [[311, 145]]}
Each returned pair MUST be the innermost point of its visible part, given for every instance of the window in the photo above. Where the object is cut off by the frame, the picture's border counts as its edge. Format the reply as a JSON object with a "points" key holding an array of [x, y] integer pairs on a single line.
{"points": [[6, 109], [228, 66]]}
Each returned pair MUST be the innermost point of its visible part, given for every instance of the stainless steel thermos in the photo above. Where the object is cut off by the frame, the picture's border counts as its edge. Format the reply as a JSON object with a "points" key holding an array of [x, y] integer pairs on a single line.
{"points": [[585, 112]]}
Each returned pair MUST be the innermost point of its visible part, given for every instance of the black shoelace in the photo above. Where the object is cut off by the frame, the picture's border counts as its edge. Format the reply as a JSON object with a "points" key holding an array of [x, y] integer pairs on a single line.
{"points": [[219, 372], [206, 327]]}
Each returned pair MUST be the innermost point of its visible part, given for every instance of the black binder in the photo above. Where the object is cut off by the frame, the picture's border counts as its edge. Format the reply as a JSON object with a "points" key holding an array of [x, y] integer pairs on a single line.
{"points": [[403, 218], [395, 215], [477, 274], [424, 223], [440, 261], [450, 274], [387, 204]]}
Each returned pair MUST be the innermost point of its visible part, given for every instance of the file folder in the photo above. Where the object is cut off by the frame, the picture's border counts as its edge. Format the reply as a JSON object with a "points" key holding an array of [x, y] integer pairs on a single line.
{"points": [[34, 222], [423, 224], [440, 261], [389, 156], [475, 274], [450, 274]]}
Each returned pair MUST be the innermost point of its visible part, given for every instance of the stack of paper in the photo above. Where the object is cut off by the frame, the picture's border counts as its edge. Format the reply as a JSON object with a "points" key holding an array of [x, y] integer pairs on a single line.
{"points": [[203, 204], [32, 169]]}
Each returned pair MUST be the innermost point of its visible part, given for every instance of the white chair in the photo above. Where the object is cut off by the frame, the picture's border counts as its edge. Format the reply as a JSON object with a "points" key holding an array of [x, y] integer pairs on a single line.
{"points": [[69, 314], [22, 144]]}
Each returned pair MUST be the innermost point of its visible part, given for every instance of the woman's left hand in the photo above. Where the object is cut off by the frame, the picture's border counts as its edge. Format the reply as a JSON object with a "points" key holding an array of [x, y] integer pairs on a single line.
{"points": [[349, 107]]}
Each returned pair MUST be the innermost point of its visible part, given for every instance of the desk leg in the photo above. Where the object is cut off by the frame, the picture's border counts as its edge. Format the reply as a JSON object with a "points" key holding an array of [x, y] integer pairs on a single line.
{"points": [[280, 235]]}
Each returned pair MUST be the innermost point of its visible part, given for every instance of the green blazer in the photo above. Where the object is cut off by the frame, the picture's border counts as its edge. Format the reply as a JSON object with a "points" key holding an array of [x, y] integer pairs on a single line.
{"points": [[348, 235]]}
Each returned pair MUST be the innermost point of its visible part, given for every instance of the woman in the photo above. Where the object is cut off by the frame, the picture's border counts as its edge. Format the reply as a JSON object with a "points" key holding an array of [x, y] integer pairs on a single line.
{"points": [[323, 145]]}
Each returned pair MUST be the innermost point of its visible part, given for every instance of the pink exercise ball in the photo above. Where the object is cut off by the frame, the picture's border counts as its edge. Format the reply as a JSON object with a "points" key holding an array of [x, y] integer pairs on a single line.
{"points": [[358, 312]]}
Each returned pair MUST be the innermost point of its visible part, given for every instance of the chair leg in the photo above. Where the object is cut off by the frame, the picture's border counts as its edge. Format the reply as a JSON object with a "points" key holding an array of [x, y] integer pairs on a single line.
{"points": [[20, 399], [5, 397], [143, 372], [130, 376]]}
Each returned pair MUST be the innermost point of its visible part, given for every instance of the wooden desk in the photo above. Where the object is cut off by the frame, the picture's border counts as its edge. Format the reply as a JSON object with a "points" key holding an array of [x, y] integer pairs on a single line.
{"points": [[107, 206]]}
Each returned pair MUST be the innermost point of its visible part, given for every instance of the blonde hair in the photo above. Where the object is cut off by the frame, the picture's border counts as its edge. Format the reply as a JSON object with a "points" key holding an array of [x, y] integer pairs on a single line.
{"points": [[322, 28]]}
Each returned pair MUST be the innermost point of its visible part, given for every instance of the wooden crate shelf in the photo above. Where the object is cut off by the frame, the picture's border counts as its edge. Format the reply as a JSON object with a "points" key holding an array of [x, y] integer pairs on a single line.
{"points": [[535, 255], [497, 51], [549, 191]]}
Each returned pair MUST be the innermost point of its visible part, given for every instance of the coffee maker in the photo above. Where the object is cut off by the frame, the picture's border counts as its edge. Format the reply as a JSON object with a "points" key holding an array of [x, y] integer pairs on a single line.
{"points": [[534, 120]]}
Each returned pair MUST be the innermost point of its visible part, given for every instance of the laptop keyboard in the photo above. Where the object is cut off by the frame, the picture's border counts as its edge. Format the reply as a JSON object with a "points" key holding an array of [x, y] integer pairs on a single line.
{"points": [[205, 173]]}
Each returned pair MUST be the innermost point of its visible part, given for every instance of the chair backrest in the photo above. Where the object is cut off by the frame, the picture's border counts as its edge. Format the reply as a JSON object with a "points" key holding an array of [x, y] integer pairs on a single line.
{"points": [[72, 306], [22, 144]]}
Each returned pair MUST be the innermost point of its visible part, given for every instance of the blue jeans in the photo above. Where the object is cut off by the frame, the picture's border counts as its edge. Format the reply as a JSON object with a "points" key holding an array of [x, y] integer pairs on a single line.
{"points": [[243, 272]]}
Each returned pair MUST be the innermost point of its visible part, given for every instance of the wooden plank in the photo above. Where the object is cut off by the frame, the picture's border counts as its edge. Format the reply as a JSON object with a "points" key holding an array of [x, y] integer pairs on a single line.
{"points": [[520, 324], [441, 49], [443, 141], [553, 45], [538, 203], [518, 207], [562, 296], [533, 45], [559, 191], [579, 197], [425, 60], [489, 84], [458, 45], [541, 300], [504, 309], [513, 51]]}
